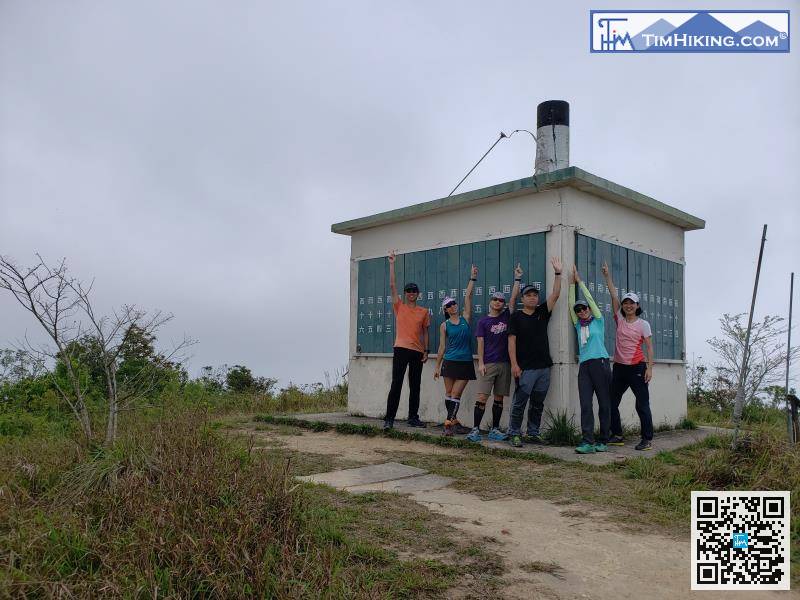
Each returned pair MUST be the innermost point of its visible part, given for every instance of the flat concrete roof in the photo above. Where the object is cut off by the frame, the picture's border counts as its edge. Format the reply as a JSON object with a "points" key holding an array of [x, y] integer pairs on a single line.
{"points": [[571, 176]]}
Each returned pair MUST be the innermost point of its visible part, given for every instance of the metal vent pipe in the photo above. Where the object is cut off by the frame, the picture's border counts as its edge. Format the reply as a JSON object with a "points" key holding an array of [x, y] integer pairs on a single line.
{"points": [[552, 136]]}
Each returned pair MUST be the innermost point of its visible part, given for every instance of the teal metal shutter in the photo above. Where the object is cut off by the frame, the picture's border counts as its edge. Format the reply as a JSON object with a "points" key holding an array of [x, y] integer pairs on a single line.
{"points": [[659, 284], [439, 273]]}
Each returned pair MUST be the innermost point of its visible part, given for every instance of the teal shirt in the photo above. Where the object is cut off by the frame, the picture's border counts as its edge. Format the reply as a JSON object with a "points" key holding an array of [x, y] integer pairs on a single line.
{"points": [[595, 346], [459, 341]]}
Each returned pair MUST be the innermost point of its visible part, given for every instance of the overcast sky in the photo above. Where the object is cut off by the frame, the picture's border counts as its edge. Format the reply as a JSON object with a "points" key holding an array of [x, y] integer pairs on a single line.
{"points": [[191, 156]]}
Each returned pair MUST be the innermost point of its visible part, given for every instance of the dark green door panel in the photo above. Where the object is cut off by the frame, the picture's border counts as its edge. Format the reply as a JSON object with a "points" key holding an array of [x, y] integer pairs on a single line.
{"points": [[442, 272], [658, 283]]}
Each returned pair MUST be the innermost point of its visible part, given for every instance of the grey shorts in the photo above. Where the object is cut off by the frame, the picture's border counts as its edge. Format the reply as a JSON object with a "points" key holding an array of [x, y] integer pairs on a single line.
{"points": [[498, 376]]}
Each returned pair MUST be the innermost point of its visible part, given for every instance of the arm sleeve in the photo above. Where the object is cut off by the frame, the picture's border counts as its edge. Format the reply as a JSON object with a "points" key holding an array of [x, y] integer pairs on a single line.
{"points": [[592, 305], [572, 314], [646, 331]]}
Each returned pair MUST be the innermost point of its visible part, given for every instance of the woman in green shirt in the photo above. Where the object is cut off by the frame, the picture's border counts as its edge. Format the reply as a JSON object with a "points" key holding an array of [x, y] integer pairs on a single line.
{"points": [[594, 376]]}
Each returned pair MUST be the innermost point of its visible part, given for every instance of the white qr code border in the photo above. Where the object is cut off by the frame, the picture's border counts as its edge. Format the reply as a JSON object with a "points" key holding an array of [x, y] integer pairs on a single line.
{"points": [[706, 571]]}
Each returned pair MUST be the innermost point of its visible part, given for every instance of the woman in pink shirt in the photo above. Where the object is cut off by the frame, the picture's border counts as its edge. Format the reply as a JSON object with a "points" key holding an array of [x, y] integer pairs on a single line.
{"points": [[631, 370]]}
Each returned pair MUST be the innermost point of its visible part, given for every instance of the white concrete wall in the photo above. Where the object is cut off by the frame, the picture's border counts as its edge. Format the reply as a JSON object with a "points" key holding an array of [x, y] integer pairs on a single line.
{"points": [[370, 377], [561, 213]]}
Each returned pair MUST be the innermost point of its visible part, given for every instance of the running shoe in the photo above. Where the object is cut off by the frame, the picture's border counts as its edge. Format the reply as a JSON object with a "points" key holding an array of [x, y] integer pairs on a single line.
{"points": [[533, 439], [516, 441], [417, 423], [644, 445], [448, 428], [459, 428], [387, 425], [585, 448], [496, 435], [474, 435], [616, 440], [600, 448]]}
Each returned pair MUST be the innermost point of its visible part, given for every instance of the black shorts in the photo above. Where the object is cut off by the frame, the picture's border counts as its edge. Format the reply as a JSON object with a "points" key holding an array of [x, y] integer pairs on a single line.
{"points": [[458, 369]]}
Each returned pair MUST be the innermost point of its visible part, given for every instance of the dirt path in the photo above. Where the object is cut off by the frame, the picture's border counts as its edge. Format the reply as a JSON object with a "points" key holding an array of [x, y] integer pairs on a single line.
{"points": [[552, 552]]}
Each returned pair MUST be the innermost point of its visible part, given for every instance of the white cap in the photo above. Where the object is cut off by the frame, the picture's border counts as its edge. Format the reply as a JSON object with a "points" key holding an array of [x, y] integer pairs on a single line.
{"points": [[447, 301], [631, 296]]}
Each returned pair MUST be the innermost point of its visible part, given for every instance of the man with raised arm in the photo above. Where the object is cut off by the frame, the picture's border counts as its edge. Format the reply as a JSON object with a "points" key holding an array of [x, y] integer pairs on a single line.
{"points": [[410, 349], [494, 366], [529, 351]]}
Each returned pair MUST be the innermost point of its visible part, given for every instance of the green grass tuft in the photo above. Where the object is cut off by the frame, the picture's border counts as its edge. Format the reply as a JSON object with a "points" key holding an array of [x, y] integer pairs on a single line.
{"points": [[560, 429]]}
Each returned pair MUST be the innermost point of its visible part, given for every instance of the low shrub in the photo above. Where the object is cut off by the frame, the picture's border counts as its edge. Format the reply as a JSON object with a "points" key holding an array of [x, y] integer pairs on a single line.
{"points": [[177, 509]]}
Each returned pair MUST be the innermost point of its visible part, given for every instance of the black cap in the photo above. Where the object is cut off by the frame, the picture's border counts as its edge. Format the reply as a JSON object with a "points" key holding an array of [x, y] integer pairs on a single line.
{"points": [[530, 288], [552, 112], [411, 287]]}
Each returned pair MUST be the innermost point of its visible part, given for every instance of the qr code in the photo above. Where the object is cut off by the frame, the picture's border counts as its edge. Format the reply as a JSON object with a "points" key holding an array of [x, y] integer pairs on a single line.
{"points": [[740, 540]]}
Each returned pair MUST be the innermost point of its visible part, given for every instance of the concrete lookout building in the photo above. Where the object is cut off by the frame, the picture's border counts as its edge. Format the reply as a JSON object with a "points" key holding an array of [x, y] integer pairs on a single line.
{"points": [[560, 211]]}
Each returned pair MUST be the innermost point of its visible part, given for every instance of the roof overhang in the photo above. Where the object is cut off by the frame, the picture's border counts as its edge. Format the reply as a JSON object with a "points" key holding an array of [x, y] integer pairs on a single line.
{"points": [[571, 176]]}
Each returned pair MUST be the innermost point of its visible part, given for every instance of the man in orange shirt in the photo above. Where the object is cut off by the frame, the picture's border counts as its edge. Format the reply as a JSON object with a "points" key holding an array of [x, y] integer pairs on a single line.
{"points": [[410, 349]]}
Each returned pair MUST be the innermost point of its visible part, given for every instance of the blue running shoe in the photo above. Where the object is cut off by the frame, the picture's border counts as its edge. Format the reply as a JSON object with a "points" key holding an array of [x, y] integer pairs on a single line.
{"points": [[497, 436], [474, 435]]}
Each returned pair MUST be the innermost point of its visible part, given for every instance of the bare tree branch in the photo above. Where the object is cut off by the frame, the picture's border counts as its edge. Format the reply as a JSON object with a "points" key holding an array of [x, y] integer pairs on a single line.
{"points": [[766, 356]]}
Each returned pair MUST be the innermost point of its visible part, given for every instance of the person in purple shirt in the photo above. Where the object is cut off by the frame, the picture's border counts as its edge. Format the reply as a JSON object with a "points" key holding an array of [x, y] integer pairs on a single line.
{"points": [[494, 365]]}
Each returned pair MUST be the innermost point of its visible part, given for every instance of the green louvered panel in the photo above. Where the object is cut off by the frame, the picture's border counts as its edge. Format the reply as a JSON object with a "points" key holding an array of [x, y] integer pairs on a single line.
{"points": [[438, 273], [388, 316], [658, 282], [479, 301], [378, 306], [366, 301], [430, 290], [536, 273], [679, 314], [442, 291], [491, 275]]}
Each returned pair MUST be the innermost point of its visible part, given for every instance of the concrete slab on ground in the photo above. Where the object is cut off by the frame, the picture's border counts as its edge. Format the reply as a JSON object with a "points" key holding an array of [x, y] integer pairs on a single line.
{"points": [[409, 485], [360, 476], [666, 440]]}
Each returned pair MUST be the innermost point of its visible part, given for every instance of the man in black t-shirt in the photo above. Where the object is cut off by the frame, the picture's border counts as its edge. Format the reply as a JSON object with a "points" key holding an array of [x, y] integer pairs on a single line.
{"points": [[529, 351]]}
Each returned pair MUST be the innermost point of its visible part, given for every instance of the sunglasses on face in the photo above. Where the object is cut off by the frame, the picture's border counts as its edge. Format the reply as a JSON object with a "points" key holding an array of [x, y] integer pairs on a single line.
{"points": [[449, 304], [582, 309], [501, 300], [412, 291]]}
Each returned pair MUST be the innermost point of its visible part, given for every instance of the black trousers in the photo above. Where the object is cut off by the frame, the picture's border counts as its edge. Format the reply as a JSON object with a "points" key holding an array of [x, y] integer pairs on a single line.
{"points": [[403, 357], [631, 376], [594, 378]]}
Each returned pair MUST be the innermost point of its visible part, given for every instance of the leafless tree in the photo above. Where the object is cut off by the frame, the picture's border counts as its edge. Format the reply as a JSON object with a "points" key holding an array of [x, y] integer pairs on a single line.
{"points": [[47, 293], [59, 302], [112, 334], [766, 356]]}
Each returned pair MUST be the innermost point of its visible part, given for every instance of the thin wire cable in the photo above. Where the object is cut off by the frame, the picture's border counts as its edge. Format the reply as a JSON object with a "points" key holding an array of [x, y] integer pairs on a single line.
{"points": [[501, 136]]}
